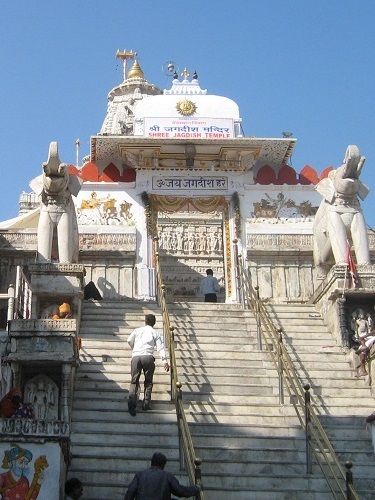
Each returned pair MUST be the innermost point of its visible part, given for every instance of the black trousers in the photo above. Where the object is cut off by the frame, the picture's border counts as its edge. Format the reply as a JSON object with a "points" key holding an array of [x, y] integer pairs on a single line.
{"points": [[210, 297], [139, 364]]}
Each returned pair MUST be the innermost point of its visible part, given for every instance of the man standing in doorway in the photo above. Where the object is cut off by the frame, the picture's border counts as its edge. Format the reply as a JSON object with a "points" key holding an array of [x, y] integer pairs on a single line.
{"points": [[143, 341], [210, 287]]}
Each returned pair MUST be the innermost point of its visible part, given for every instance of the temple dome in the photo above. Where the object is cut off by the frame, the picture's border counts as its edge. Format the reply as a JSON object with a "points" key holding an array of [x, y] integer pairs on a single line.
{"points": [[135, 71]]}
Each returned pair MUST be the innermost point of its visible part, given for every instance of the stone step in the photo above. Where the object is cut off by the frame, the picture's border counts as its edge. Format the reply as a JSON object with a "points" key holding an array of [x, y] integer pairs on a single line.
{"points": [[116, 392], [94, 380], [130, 464], [307, 335], [227, 484], [163, 412], [158, 425], [212, 411], [321, 358], [166, 437], [250, 341], [317, 379], [104, 397], [345, 421], [186, 362], [290, 310], [279, 488], [98, 354], [102, 385], [338, 392], [225, 431], [221, 325], [144, 307], [224, 414], [192, 306], [143, 450], [91, 341], [327, 378], [120, 304], [112, 369], [311, 342], [260, 444]]}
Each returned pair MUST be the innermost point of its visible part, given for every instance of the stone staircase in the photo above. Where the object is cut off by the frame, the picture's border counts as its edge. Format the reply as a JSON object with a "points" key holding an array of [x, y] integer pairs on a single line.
{"points": [[251, 446], [108, 445], [342, 400]]}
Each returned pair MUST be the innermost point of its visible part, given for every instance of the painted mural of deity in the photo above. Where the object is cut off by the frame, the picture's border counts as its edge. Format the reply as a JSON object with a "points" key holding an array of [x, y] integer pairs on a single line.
{"points": [[104, 211], [15, 484], [282, 207]]}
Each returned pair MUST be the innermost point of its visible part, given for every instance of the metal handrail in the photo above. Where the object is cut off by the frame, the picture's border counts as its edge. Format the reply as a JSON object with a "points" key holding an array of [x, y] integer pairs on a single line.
{"points": [[317, 441], [188, 458]]}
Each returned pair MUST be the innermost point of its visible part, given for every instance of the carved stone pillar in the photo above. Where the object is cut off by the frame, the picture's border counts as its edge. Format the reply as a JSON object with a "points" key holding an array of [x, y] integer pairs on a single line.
{"points": [[343, 323], [66, 392], [17, 375]]}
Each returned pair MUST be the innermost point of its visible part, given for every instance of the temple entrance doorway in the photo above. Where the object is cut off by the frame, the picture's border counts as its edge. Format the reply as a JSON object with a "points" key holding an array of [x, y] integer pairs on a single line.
{"points": [[189, 243]]}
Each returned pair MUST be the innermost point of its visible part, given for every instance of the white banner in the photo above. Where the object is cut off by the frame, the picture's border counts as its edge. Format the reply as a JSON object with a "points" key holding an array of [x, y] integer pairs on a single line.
{"points": [[180, 128]]}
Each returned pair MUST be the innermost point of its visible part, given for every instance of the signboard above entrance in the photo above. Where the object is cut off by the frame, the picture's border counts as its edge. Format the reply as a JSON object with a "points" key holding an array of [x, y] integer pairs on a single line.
{"points": [[205, 183], [187, 128]]}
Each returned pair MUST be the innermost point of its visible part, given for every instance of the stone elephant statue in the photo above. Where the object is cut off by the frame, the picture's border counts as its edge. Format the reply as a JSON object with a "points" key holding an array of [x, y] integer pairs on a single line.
{"points": [[57, 211], [339, 221]]}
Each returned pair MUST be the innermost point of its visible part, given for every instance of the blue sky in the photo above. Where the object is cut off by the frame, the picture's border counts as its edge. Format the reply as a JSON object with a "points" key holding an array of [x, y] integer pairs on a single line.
{"points": [[291, 65]]}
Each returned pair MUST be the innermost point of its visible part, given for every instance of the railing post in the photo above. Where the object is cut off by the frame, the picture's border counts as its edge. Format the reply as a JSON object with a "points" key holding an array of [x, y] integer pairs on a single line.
{"points": [[198, 475], [11, 298], [244, 287], [178, 411], [259, 335], [171, 336], [160, 287], [307, 429], [238, 272], [349, 480], [281, 367]]}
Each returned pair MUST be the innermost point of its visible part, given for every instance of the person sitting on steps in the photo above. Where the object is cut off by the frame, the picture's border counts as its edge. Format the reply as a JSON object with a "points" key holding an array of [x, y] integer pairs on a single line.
{"points": [[366, 340], [64, 312]]}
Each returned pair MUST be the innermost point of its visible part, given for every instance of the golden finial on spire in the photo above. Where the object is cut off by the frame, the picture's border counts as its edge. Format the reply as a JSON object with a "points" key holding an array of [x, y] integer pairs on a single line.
{"points": [[135, 71], [125, 56]]}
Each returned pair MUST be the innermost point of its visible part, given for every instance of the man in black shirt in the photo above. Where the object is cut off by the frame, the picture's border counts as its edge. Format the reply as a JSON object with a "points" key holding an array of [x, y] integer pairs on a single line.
{"points": [[157, 484]]}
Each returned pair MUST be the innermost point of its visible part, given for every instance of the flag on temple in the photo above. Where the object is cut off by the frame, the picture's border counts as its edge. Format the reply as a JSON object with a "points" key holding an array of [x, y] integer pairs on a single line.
{"points": [[351, 267]]}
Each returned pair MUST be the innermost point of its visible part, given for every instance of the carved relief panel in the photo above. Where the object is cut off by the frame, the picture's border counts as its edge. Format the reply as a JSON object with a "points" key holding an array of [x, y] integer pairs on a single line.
{"points": [[43, 394], [188, 245]]}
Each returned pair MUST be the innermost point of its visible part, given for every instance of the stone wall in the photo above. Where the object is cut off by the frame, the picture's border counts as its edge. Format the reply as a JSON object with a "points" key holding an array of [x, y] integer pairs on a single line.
{"points": [[281, 264], [109, 260]]}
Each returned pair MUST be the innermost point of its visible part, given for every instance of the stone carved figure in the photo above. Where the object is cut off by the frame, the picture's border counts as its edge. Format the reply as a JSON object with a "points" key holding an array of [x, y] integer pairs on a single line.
{"points": [[361, 324], [57, 211], [339, 219], [40, 402], [42, 393]]}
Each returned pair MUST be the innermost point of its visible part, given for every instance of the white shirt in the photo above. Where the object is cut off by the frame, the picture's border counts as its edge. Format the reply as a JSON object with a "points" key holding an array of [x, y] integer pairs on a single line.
{"points": [[144, 340]]}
